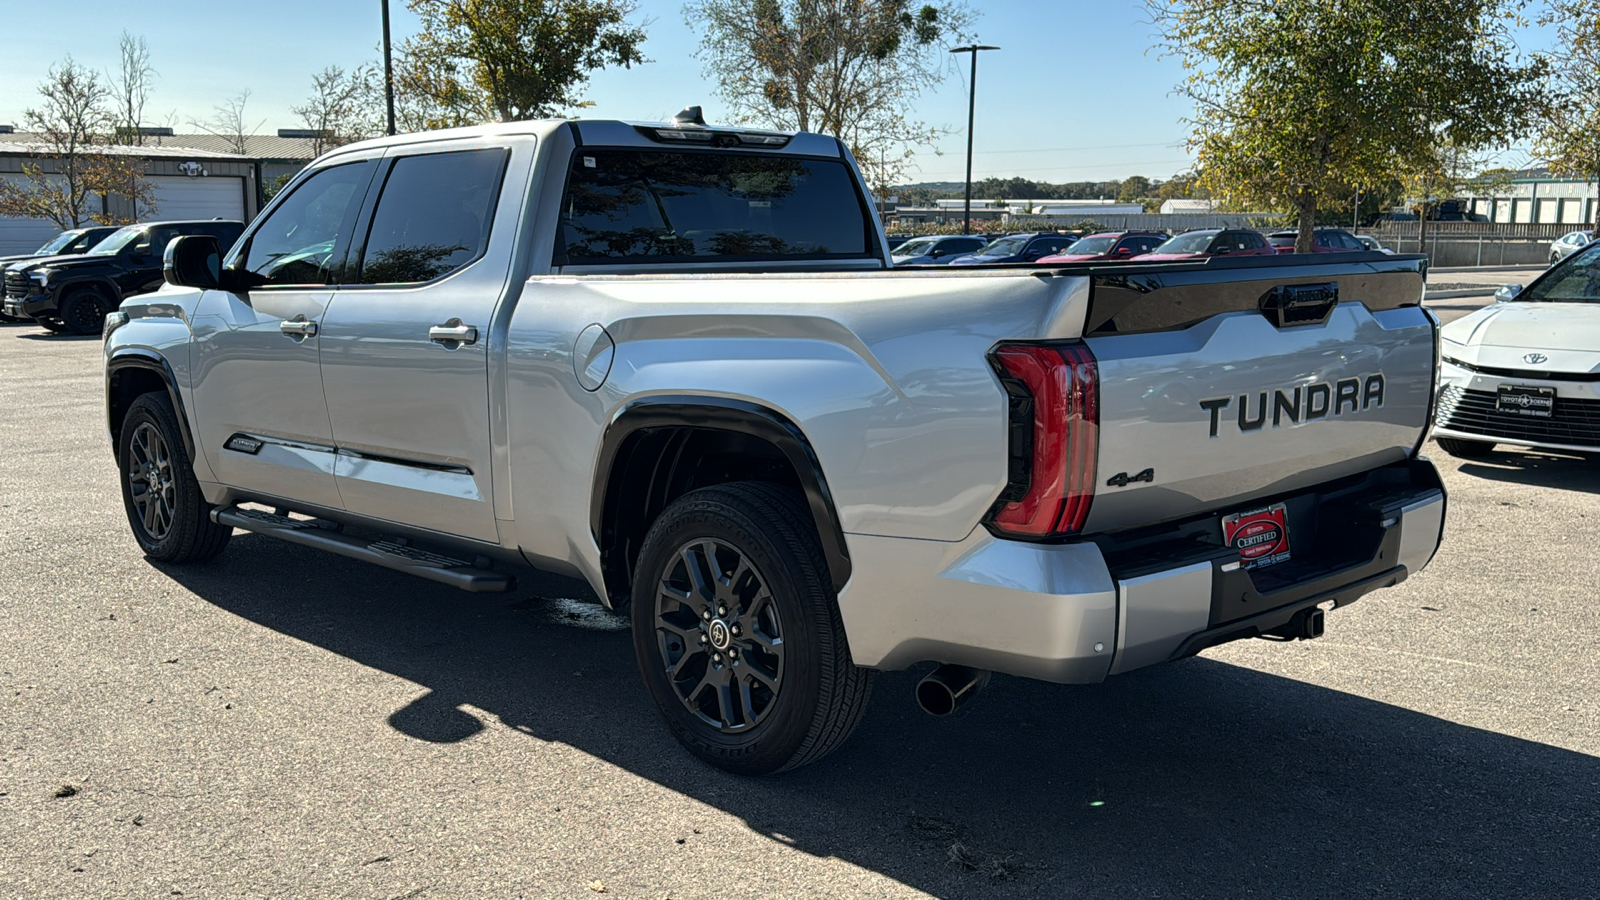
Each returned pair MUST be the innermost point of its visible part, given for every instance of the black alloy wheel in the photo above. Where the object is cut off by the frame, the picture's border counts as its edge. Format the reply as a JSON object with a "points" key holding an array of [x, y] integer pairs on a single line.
{"points": [[84, 311], [719, 633], [167, 513], [737, 631]]}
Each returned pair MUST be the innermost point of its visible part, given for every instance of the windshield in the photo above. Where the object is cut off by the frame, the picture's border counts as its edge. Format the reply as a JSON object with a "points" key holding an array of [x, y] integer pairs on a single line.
{"points": [[1578, 281], [916, 247], [1003, 247], [118, 239], [1195, 242], [1091, 246], [57, 245]]}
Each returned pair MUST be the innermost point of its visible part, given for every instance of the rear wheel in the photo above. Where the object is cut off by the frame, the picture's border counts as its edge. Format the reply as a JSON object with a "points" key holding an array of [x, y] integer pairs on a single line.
{"points": [[84, 311], [1465, 449], [737, 631], [169, 517]]}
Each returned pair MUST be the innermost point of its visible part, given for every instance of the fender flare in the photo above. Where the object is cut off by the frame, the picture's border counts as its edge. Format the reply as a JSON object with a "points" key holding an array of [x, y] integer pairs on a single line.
{"points": [[726, 414], [151, 361], [100, 283]]}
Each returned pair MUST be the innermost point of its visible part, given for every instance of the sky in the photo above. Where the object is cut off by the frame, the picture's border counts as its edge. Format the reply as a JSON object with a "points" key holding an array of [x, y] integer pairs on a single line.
{"points": [[1074, 94]]}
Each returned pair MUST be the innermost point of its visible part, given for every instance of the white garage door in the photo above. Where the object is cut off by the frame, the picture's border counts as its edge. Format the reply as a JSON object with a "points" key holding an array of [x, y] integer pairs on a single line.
{"points": [[205, 197]]}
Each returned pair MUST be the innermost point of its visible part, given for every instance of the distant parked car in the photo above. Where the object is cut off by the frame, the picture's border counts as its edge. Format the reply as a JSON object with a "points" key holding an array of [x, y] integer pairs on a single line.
{"points": [[894, 240], [74, 293], [1372, 243], [67, 243], [1110, 245], [1017, 248], [1327, 240], [936, 250], [1568, 244], [1207, 242]]}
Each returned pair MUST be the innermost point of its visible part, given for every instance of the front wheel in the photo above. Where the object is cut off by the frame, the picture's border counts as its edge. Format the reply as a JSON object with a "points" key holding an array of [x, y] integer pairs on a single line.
{"points": [[169, 517], [737, 631], [1465, 449], [84, 311]]}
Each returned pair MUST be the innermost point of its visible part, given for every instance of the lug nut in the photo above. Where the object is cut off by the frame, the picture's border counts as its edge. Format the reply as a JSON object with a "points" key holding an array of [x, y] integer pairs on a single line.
{"points": [[706, 615], [722, 610], [733, 652], [716, 657], [702, 639], [735, 629]]}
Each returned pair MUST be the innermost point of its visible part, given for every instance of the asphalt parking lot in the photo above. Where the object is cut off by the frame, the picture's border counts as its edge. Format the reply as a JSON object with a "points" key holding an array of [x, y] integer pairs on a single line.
{"points": [[283, 723]]}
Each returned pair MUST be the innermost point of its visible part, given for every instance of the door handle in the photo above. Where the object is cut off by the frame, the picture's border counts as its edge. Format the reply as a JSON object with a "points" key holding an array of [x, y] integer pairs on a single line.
{"points": [[453, 334], [298, 327]]}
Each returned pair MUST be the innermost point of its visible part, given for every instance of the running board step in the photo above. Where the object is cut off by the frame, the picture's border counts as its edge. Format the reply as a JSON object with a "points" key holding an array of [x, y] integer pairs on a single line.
{"points": [[389, 553]]}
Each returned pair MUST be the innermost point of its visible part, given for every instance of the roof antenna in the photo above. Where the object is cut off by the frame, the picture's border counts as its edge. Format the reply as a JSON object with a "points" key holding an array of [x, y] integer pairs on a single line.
{"points": [[690, 116]]}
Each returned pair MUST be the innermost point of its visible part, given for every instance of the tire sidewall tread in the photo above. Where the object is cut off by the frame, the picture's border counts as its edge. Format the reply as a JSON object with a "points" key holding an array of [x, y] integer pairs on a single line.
{"points": [[824, 692], [194, 537]]}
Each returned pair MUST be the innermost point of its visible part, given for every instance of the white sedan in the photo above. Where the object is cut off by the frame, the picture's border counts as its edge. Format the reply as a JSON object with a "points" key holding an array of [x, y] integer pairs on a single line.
{"points": [[1568, 244], [1525, 370]]}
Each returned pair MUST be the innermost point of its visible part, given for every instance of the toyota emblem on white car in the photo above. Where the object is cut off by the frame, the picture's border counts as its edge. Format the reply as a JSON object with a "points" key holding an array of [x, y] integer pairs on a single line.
{"points": [[1534, 358]]}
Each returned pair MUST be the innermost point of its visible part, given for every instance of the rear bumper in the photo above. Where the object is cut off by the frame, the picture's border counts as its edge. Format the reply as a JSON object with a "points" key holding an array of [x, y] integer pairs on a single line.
{"points": [[1076, 612]]}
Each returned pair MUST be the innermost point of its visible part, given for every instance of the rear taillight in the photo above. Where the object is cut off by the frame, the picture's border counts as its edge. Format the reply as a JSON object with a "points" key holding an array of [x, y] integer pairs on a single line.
{"points": [[1055, 439]]}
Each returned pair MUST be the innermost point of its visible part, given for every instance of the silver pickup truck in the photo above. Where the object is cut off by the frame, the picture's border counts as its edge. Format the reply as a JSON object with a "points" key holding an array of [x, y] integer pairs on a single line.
{"points": [[674, 361]]}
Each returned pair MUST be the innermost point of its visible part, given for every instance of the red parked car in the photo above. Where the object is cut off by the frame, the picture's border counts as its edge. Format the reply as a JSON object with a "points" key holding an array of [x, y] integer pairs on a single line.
{"points": [[1328, 240], [1206, 242], [1109, 245]]}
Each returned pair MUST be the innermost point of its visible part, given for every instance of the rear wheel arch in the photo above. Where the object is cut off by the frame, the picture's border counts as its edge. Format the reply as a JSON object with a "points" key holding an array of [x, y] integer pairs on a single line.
{"points": [[660, 448], [130, 374]]}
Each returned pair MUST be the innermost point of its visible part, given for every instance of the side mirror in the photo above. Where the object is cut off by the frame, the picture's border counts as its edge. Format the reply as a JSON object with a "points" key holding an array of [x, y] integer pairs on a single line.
{"points": [[1223, 250], [1124, 251], [1507, 292], [194, 261]]}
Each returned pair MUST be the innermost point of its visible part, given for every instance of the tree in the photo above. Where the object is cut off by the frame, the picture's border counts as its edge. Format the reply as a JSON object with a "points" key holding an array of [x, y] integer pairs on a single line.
{"points": [[130, 88], [340, 108], [513, 59], [74, 123], [1299, 102], [229, 123], [1568, 136], [850, 69]]}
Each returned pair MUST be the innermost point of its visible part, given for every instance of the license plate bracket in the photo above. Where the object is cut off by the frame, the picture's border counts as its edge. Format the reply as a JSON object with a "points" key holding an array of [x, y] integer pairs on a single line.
{"points": [[1525, 400], [1261, 536]]}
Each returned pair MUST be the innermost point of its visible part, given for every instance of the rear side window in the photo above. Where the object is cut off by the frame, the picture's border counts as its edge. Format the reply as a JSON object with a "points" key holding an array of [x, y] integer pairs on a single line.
{"points": [[433, 216], [625, 205]]}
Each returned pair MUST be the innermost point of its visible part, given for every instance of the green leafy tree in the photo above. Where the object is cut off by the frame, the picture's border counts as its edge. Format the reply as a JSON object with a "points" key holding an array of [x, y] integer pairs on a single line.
{"points": [[849, 68], [1568, 136], [1297, 102], [512, 60]]}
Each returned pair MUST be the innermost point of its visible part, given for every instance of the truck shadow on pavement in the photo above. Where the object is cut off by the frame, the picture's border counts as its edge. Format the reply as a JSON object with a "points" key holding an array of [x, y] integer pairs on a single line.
{"points": [[1539, 468], [1195, 779]]}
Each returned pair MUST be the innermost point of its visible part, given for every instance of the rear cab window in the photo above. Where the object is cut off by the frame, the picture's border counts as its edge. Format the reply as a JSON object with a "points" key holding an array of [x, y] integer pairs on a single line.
{"points": [[643, 205]]}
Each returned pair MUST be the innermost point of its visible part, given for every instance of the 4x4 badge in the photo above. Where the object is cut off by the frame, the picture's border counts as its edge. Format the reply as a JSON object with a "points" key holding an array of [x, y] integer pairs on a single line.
{"points": [[1535, 358], [1123, 479]]}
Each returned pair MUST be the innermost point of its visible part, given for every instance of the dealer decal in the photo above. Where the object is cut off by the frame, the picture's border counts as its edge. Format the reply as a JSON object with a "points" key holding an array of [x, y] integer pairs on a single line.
{"points": [[1260, 535]]}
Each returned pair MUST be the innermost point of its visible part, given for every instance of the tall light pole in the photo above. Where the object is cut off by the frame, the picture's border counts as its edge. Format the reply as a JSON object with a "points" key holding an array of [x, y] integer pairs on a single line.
{"points": [[972, 105], [388, 70]]}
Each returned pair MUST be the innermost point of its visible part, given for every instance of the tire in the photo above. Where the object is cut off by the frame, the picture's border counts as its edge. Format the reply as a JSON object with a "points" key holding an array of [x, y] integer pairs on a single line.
{"points": [[84, 311], [49, 324], [786, 704], [1465, 449], [170, 518]]}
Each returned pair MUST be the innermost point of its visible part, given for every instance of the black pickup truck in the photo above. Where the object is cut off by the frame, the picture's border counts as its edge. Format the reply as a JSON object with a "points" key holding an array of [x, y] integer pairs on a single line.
{"points": [[73, 293]]}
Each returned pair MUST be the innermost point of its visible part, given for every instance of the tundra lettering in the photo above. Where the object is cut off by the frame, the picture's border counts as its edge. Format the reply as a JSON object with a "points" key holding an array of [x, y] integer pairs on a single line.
{"points": [[1359, 394]]}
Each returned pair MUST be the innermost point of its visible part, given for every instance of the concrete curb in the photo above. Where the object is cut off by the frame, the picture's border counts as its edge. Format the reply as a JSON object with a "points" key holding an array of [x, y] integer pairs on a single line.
{"points": [[1449, 269], [1488, 291]]}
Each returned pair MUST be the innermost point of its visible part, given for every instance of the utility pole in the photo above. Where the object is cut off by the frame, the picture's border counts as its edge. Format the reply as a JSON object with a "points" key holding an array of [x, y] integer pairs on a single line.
{"points": [[388, 70], [972, 105]]}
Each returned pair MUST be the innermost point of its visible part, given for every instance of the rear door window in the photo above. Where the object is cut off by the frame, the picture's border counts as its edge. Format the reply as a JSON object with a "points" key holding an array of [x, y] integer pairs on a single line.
{"points": [[432, 217], [642, 206]]}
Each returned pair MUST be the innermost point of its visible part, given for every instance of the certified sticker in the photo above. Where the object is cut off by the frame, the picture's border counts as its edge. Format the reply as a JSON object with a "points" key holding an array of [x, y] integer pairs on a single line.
{"points": [[1260, 535]]}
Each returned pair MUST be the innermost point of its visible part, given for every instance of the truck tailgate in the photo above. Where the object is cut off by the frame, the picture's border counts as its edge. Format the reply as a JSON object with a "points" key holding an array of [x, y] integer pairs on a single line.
{"points": [[1251, 403]]}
